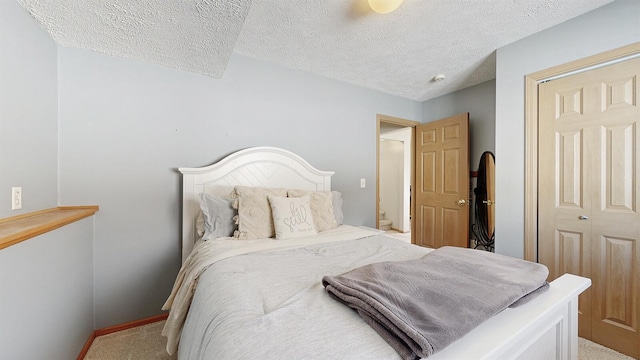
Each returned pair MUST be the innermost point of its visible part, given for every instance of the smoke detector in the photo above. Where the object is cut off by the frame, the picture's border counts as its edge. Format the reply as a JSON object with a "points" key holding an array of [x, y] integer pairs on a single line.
{"points": [[438, 78]]}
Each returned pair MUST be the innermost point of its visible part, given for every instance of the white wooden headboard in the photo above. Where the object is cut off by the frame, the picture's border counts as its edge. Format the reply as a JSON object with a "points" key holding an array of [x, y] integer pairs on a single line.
{"points": [[258, 166]]}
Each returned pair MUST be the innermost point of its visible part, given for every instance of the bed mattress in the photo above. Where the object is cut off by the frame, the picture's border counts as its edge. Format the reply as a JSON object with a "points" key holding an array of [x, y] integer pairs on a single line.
{"points": [[271, 304]]}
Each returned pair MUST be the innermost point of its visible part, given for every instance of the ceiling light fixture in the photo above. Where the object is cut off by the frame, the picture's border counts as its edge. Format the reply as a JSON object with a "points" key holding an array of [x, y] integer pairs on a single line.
{"points": [[384, 6]]}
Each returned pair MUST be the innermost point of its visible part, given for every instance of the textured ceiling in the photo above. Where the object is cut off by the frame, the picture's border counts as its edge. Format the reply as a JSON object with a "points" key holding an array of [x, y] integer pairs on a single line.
{"points": [[193, 35], [397, 53]]}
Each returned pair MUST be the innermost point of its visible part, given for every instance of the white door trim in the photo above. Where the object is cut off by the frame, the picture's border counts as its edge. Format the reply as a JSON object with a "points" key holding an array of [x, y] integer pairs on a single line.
{"points": [[402, 122]]}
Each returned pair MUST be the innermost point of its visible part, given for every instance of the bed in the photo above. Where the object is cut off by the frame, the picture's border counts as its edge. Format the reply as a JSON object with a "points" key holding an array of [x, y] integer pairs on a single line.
{"points": [[264, 298]]}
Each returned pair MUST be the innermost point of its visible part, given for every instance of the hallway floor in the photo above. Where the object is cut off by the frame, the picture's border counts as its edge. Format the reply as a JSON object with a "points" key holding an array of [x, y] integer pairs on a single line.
{"points": [[398, 235]]}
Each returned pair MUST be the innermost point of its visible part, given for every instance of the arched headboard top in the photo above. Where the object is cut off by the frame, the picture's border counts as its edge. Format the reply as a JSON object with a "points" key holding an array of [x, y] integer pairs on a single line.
{"points": [[258, 167]]}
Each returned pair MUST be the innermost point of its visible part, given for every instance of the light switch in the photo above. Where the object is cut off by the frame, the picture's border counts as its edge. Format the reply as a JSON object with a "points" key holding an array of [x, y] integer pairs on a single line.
{"points": [[363, 183]]}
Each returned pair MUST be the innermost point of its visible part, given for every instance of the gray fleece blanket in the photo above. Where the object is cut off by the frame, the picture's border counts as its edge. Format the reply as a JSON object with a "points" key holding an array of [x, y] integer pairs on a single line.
{"points": [[421, 306]]}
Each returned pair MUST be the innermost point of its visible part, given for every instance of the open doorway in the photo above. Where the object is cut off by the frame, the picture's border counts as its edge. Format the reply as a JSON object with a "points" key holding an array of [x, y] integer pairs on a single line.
{"points": [[395, 174]]}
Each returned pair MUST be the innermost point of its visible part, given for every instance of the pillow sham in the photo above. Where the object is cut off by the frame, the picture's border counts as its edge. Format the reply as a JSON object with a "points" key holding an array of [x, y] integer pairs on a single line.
{"points": [[321, 203], [292, 217], [337, 207], [254, 218], [217, 214], [200, 224]]}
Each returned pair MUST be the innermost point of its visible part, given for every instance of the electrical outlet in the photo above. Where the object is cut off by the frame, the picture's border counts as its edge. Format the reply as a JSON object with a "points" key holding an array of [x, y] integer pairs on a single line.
{"points": [[16, 198]]}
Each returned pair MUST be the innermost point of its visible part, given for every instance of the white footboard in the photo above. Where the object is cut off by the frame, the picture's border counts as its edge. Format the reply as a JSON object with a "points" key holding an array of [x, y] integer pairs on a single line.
{"points": [[545, 328]]}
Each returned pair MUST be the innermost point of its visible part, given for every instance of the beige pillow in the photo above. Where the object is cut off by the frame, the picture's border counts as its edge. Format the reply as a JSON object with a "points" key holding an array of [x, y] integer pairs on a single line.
{"points": [[321, 203], [292, 217], [254, 212]]}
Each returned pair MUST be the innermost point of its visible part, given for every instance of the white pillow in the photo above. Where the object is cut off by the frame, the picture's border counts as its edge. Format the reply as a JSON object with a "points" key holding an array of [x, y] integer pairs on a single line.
{"points": [[322, 210], [292, 217]]}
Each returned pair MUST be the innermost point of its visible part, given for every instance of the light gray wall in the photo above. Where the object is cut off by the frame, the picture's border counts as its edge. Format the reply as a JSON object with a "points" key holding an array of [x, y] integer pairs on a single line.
{"points": [[603, 29], [28, 112], [126, 126], [46, 294], [46, 283], [479, 101]]}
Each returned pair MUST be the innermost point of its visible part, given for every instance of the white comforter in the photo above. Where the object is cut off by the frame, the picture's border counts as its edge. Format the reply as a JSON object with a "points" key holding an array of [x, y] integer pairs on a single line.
{"points": [[263, 299]]}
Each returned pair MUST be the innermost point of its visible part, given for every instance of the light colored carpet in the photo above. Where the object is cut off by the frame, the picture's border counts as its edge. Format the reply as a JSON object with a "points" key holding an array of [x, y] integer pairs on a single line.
{"points": [[146, 343], [588, 350], [138, 343]]}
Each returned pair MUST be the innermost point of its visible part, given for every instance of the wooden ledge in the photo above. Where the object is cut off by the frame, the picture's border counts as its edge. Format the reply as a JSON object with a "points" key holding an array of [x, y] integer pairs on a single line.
{"points": [[19, 228]]}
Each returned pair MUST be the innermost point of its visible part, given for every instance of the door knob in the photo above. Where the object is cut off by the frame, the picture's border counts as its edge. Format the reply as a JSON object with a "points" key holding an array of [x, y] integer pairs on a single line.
{"points": [[488, 202], [462, 202], [583, 217]]}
